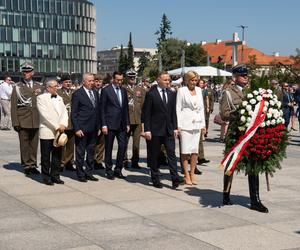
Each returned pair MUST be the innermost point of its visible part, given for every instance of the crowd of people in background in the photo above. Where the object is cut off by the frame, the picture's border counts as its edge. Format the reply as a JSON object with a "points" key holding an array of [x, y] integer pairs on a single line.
{"points": [[77, 125]]}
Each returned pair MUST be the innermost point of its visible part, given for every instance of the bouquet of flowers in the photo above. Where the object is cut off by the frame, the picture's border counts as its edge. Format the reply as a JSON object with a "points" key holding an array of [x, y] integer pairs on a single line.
{"points": [[257, 139]]}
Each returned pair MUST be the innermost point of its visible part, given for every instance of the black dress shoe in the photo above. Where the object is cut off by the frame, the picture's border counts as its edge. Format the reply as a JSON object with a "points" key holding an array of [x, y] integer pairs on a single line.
{"points": [[157, 183], [27, 171], [202, 161], [177, 182], [136, 166], [98, 166], [48, 182], [57, 181], [259, 207], [119, 175], [91, 178], [126, 165], [34, 171], [82, 179], [197, 171], [110, 176]]}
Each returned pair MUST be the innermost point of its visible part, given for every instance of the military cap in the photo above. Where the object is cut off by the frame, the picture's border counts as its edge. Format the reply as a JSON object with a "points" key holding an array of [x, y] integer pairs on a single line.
{"points": [[65, 78], [27, 67], [240, 69], [130, 73]]}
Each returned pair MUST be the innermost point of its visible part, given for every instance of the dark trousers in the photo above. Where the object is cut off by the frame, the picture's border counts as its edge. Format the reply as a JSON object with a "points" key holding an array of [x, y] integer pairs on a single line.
{"points": [[109, 143], [287, 111], [68, 151], [85, 145], [50, 159], [29, 140], [154, 149]]}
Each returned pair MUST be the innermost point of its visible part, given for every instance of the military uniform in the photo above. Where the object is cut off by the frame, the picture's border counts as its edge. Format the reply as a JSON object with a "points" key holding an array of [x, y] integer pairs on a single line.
{"points": [[25, 120], [68, 151], [136, 97], [211, 100]]}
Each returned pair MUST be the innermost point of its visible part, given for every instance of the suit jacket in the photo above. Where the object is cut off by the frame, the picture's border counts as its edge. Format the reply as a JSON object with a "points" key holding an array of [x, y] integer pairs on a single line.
{"points": [[160, 118], [114, 116], [136, 98], [286, 99], [190, 112], [25, 115], [84, 115], [67, 101], [230, 100], [51, 116]]}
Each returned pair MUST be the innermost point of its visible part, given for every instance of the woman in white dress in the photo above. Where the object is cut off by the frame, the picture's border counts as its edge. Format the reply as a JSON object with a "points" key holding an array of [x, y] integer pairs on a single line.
{"points": [[190, 118]]}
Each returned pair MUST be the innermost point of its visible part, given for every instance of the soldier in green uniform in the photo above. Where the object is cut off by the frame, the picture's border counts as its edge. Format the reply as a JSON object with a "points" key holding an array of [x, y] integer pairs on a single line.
{"points": [[25, 118], [210, 109], [66, 92], [230, 101], [136, 96]]}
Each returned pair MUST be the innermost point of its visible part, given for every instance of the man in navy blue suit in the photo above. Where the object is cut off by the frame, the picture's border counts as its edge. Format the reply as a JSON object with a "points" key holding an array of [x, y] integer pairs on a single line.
{"points": [[115, 123], [85, 119]]}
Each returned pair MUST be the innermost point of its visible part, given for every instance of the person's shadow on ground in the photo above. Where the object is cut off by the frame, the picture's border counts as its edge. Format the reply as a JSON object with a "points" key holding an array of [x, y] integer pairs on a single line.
{"points": [[213, 198], [15, 166]]}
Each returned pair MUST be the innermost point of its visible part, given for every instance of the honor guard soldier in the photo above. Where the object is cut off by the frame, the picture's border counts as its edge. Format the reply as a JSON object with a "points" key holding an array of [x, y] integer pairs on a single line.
{"points": [[136, 96], [25, 118], [66, 92]]}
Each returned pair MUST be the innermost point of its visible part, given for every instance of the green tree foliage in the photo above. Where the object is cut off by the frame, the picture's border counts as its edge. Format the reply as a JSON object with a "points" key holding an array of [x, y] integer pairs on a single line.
{"points": [[123, 66], [195, 55], [164, 31], [130, 64], [143, 63]]}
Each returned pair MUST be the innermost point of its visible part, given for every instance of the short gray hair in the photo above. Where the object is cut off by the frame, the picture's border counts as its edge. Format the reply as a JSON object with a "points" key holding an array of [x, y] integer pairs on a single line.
{"points": [[50, 82]]}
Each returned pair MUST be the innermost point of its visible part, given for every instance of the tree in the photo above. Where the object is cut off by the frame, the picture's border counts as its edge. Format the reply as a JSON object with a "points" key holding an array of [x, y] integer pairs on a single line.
{"points": [[195, 55], [164, 31], [143, 63], [252, 65], [130, 64], [122, 67]]}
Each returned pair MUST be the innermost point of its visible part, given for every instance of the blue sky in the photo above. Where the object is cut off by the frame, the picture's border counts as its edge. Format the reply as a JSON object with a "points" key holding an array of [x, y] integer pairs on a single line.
{"points": [[273, 25]]}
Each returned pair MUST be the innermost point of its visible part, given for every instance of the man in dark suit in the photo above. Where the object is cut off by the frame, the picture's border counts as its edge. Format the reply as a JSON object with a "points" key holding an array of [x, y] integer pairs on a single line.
{"points": [[115, 123], [160, 125], [85, 119]]}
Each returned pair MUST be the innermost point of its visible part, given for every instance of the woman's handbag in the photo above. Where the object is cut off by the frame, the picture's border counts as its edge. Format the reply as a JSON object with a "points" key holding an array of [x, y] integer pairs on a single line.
{"points": [[218, 120]]}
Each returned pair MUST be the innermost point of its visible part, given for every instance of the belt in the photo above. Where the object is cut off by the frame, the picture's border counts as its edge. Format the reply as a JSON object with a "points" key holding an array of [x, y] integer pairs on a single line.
{"points": [[5, 99]]}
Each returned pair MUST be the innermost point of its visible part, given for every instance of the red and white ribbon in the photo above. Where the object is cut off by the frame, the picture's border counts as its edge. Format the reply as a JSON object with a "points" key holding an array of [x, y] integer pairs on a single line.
{"points": [[233, 156]]}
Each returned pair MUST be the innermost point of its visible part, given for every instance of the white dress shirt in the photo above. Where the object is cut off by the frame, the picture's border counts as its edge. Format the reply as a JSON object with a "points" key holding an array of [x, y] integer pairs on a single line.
{"points": [[5, 91], [160, 91]]}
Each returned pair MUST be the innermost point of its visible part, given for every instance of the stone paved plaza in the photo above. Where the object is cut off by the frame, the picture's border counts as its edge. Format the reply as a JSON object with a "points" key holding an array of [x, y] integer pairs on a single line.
{"points": [[131, 214]]}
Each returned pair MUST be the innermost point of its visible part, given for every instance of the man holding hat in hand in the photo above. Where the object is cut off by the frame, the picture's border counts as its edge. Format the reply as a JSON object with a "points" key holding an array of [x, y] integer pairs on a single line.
{"points": [[53, 122], [25, 118]]}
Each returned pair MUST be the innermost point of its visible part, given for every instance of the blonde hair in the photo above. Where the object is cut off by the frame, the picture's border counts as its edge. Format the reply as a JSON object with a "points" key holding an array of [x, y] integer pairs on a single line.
{"points": [[190, 75]]}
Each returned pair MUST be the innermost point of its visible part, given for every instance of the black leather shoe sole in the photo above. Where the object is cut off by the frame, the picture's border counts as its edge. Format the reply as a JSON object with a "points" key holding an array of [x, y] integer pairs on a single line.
{"points": [[119, 175], [82, 179], [48, 182], [92, 178], [258, 208], [58, 181]]}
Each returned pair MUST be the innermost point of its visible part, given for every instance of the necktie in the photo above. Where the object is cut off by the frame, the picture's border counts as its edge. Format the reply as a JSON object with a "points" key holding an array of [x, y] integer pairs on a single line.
{"points": [[164, 96], [53, 96], [92, 98], [119, 95]]}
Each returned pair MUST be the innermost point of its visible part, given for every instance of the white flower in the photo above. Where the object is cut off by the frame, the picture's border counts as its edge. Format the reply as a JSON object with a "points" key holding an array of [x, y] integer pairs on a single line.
{"points": [[269, 91], [265, 109], [255, 92], [269, 115], [263, 124], [259, 98], [249, 119], [268, 123], [279, 104], [282, 120], [248, 107], [265, 96], [242, 111], [243, 118], [281, 113], [270, 96], [279, 120], [252, 101], [272, 103], [266, 103], [249, 96], [273, 122], [251, 113], [247, 124], [244, 103], [242, 128]]}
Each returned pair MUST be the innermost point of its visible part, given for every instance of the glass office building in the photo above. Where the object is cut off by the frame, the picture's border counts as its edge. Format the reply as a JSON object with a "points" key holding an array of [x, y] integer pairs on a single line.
{"points": [[57, 36]]}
